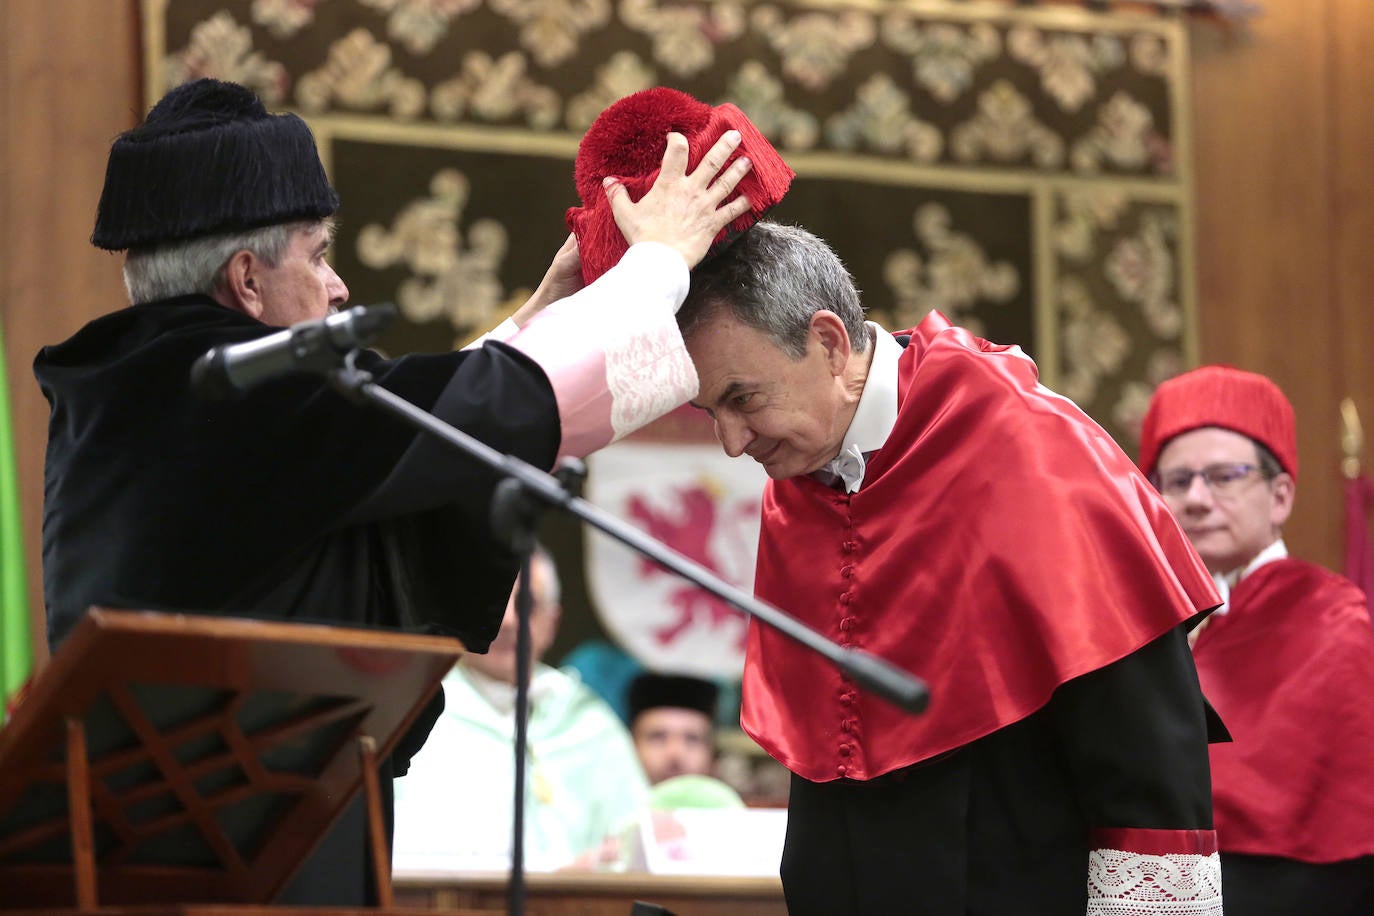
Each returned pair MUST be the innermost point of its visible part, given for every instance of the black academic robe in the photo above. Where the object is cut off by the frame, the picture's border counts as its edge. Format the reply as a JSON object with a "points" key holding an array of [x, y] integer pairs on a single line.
{"points": [[1008, 824], [290, 502]]}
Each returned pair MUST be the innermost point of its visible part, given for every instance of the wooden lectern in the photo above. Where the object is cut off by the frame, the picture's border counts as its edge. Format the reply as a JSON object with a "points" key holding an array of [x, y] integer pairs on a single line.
{"points": [[174, 763]]}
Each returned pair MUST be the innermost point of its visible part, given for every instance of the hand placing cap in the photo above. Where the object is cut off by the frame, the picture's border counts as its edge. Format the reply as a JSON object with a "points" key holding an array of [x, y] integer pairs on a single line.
{"points": [[628, 142]]}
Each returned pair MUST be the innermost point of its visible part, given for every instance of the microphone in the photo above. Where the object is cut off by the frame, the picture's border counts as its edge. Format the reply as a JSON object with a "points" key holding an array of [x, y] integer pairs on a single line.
{"points": [[309, 346]]}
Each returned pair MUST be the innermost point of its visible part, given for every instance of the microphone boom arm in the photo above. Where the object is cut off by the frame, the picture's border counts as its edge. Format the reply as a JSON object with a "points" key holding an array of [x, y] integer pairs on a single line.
{"points": [[331, 345], [881, 677]]}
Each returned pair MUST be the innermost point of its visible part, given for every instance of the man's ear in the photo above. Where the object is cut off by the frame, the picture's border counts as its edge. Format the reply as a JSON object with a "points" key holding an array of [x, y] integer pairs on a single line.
{"points": [[239, 287], [1284, 490], [828, 330]]}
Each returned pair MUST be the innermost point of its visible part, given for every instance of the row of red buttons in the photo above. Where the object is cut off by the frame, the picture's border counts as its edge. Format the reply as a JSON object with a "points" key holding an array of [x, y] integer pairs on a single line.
{"points": [[849, 723]]}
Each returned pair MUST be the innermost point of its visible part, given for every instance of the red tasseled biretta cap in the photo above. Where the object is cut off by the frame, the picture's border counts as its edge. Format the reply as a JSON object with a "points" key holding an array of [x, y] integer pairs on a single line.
{"points": [[1222, 396], [627, 141]]}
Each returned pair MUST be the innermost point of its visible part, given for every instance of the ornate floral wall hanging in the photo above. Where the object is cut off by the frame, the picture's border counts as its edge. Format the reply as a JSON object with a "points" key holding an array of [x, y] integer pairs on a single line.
{"points": [[1023, 169]]}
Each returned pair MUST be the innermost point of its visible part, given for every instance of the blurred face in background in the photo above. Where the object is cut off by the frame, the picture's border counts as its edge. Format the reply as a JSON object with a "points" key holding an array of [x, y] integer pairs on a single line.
{"points": [[673, 741], [499, 661]]}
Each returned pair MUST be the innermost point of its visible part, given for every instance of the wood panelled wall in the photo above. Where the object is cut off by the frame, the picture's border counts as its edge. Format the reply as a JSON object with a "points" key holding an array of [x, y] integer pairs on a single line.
{"points": [[70, 80], [1282, 133]]}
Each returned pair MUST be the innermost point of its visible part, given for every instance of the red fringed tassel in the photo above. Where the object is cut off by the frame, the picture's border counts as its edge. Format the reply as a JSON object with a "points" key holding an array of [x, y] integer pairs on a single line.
{"points": [[627, 141]]}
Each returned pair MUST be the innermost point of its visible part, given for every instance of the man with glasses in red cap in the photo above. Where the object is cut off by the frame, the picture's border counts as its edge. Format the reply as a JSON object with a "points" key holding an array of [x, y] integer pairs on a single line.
{"points": [[1288, 660]]}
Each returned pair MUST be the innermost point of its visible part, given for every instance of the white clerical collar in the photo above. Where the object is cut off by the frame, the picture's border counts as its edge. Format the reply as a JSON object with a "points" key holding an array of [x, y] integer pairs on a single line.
{"points": [[500, 695], [876, 414], [1227, 581]]}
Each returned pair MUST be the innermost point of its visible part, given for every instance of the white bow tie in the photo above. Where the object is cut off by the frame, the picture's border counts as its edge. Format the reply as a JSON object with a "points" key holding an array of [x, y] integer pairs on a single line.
{"points": [[847, 468]]}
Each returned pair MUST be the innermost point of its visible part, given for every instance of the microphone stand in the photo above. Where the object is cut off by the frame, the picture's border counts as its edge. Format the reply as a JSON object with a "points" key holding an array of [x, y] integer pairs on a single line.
{"points": [[523, 543], [522, 495]]}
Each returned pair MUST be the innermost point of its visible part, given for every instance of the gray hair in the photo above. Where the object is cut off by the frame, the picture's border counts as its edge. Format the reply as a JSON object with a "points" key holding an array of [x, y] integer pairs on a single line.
{"points": [[774, 278], [197, 265]]}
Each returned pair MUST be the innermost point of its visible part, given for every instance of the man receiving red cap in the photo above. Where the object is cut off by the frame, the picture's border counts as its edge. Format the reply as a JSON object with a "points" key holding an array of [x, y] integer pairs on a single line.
{"points": [[1288, 661], [932, 504]]}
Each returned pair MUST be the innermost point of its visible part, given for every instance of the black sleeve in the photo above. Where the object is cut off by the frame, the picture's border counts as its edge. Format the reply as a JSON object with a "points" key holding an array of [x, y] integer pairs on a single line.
{"points": [[448, 570], [495, 395], [1135, 739]]}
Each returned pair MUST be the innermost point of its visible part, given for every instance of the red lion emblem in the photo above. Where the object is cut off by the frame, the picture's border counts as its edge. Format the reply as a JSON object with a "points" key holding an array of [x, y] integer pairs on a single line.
{"points": [[688, 529]]}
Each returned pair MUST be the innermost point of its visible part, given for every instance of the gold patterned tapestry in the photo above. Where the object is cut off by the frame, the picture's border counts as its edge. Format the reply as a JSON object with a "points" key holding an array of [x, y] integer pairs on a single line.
{"points": [[1022, 168]]}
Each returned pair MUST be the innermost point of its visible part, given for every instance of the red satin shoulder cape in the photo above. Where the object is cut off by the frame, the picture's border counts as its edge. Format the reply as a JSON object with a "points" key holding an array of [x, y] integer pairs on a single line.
{"points": [[1290, 668], [1001, 545]]}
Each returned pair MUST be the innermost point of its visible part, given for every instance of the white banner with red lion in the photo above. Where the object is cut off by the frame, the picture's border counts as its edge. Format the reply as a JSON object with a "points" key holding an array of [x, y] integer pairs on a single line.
{"points": [[693, 498]]}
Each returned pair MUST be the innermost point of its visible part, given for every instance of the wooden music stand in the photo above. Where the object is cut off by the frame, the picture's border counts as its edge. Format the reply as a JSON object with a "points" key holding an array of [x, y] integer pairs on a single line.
{"points": [[161, 760]]}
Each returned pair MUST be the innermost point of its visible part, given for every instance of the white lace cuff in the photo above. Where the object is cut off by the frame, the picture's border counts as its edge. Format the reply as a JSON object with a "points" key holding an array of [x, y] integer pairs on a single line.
{"points": [[612, 352], [1137, 872]]}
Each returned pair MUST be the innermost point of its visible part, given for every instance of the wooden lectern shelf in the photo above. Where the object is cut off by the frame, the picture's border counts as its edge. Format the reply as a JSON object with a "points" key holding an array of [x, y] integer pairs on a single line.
{"points": [[161, 761]]}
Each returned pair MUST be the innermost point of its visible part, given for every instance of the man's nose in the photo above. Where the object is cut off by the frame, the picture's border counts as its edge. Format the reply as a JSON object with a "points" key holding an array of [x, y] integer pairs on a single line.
{"points": [[734, 435], [337, 289], [1198, 493]]}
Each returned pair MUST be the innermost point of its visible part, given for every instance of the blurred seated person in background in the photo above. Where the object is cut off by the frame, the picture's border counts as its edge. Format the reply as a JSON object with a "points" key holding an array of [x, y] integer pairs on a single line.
{"points": [[673, 723], [1288, 660], [583, 781]]}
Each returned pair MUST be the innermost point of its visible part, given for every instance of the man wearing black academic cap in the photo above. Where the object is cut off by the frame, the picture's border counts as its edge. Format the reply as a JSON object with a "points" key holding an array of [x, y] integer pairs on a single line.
{"points": [[291, 501], [673, 723]]}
